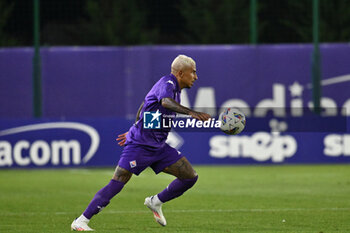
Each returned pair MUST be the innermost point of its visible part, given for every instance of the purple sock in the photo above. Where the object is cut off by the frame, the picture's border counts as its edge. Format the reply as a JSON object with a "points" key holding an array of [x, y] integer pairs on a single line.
{"points": [[102, 198], [176, 189]]}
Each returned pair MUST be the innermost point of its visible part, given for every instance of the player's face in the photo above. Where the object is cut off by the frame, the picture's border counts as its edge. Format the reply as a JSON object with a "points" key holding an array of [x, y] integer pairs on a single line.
{"points": [[189, 75]]}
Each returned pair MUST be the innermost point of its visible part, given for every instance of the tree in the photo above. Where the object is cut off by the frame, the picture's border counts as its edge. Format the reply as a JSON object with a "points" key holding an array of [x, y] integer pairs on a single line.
{"points": [[5, 12], [116, 22], [335, 21], [290, 21], [216, 22]]}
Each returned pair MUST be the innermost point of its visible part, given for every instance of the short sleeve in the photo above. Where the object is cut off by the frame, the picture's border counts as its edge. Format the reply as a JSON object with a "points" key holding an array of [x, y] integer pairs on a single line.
{"points": [[165, 89]]}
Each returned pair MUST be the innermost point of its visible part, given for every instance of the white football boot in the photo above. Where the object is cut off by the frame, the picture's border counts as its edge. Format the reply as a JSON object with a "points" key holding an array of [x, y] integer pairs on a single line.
{"points": [[155, 205], [80, 226]]}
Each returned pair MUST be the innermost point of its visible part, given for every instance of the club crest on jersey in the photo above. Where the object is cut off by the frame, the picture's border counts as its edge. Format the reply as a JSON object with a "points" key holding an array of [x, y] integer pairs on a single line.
{"points": [[133, 164]]}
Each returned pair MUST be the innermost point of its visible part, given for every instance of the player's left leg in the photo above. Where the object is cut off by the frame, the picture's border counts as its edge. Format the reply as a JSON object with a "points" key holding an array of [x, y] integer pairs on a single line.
{"points": [[186, 178]]}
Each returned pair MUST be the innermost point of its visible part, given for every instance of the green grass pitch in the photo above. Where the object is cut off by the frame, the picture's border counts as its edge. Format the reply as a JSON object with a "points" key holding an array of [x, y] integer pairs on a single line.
{"points": [[309, 198]]}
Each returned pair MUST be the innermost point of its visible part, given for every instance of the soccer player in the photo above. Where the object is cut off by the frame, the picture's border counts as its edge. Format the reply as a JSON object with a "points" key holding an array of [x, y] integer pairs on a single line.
{"points": [[147, 148]]}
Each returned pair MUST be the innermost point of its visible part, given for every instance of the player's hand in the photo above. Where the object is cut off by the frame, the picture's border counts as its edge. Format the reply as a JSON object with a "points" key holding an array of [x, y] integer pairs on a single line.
{"points": [[200, 115], [122, 139]]}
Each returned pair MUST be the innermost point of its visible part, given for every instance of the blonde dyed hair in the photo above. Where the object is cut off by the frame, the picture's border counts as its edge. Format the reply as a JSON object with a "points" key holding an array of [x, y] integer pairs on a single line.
{"points": [[182, 62]]}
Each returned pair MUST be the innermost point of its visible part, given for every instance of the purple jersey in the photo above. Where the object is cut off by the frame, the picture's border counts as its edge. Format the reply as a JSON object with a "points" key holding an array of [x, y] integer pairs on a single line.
{"points": [[166, 87]]}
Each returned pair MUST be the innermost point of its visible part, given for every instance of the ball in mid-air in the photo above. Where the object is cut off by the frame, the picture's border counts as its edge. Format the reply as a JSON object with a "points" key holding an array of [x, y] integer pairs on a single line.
{"points": [[232, 121]]}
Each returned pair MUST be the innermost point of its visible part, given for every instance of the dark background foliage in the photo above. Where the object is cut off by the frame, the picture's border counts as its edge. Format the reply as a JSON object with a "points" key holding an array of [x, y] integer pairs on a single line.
{"points": [[139, 22]]}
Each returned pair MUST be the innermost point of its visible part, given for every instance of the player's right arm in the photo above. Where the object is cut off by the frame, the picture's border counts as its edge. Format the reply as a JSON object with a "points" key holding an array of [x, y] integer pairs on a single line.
{"points": [[172, 105], [122, 137]]}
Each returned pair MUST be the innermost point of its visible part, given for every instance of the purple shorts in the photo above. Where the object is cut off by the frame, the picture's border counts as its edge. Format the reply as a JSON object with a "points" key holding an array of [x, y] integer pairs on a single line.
{"points": [[136, 158]]}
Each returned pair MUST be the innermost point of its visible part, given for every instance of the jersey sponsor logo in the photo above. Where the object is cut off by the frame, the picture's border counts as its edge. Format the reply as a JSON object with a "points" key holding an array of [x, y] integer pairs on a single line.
{"points": [[42, 144], [151, 120]]}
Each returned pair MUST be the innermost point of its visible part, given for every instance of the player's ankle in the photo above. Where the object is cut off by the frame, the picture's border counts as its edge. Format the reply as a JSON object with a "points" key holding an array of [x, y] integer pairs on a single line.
{"points": [[156, 200], [82, 218]]}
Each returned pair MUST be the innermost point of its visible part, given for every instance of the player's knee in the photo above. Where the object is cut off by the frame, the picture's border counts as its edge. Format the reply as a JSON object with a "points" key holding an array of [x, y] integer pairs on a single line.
{"points": [[122, 175], [195, 178], [191, 175], [190, 182]]}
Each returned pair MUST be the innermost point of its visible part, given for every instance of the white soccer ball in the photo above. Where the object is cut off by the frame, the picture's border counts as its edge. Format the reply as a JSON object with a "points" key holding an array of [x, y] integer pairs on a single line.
{"points": [[232, 121]]}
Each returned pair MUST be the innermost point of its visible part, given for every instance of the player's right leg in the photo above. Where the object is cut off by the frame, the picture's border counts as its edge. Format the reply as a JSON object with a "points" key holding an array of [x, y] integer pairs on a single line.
{"points": [[102, 198]]}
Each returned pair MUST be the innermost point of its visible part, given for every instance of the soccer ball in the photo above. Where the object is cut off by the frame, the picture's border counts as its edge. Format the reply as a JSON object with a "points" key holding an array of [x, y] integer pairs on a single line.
{"points": [[232, 121]]}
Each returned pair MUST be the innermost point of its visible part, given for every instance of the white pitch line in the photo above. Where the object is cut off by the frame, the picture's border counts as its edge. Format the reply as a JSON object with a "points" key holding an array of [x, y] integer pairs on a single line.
{"points": [[180, 211]]}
